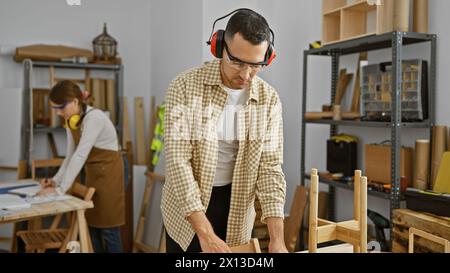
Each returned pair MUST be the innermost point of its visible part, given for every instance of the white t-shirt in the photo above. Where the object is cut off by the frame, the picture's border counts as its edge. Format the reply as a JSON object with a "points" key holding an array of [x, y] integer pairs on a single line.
{"points": [[227, 136], [97, 131]]}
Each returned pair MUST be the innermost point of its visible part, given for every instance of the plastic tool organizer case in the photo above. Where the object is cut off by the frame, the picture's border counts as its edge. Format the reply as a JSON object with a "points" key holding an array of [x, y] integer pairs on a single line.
{"points": [[376, 88]]}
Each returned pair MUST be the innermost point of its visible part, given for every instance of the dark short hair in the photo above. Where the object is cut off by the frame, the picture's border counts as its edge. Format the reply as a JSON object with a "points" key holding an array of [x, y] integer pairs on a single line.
{"points": [[65, 91], [251, 25]]}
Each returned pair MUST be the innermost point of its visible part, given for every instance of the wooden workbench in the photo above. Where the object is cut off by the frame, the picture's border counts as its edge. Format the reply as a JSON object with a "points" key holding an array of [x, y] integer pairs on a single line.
{"points": [[52, 208]]}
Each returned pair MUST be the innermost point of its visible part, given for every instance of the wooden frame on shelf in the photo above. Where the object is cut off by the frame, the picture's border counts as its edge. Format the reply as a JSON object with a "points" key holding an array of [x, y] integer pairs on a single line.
{"points": [[343, 21]]}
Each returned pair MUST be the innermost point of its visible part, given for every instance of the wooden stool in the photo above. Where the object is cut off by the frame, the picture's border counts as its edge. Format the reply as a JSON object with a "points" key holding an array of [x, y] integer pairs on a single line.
{"points": [[353, 232]]}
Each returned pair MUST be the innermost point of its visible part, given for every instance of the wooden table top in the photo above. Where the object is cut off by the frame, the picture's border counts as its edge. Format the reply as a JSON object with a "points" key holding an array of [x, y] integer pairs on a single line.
{"points": [[46, 209]]}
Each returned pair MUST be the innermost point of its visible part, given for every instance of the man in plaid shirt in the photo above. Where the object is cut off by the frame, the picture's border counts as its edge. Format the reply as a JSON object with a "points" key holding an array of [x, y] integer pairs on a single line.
{"points": [[224, 145]]}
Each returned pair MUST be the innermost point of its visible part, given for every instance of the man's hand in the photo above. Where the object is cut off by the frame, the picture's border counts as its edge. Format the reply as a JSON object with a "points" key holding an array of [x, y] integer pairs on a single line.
{"points": [[209, 241], [47, 182], [47, 191], [213, 244], [276, 233], [277, 247]]}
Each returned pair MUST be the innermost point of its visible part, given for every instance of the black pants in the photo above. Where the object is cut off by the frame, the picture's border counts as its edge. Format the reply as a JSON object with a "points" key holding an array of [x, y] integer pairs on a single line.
{"points": [[217, 214]]}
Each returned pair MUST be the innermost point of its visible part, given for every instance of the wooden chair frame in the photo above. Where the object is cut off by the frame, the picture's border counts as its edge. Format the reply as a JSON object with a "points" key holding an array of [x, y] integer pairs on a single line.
{"points": [[417, 232], [353, 232]]}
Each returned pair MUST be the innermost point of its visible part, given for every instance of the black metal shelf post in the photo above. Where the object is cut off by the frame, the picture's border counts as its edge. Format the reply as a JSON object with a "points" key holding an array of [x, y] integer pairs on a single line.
{"points": [[27, 128], [395, 41]]}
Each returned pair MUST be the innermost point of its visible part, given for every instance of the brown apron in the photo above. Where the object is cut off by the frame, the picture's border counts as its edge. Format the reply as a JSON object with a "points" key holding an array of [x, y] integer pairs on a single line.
{"points": [[104, 171]]}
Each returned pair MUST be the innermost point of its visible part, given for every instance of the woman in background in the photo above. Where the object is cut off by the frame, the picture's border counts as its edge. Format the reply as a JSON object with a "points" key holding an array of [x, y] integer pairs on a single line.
{"points": [[92, 142]]}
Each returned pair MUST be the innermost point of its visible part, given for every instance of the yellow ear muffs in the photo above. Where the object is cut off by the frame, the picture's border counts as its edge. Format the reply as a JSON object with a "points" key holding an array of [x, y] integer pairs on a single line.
{"points": [[73, 122]]}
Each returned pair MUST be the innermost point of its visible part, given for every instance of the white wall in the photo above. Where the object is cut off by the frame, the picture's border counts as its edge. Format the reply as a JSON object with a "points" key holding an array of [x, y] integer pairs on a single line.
{"points": [[176, 40]]}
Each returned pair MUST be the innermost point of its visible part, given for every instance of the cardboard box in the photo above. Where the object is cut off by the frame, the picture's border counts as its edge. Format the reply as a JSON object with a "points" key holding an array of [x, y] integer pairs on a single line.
{"points": [[377, 160]]}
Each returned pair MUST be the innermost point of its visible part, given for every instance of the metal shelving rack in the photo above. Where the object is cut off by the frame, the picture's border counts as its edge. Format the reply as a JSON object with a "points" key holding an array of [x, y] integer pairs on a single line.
{"points": [[395, 41], [27, 128]]}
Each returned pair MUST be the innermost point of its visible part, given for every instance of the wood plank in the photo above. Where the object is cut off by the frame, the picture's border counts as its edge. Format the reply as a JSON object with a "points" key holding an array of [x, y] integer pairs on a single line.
{"points": [[295, 220], [110, 91], [97, 97], [46, 209], [422, 221], [326, 233], [83, 231], [125, 124], [139, 129], [313, 204], [357, 84], [403, 219]]}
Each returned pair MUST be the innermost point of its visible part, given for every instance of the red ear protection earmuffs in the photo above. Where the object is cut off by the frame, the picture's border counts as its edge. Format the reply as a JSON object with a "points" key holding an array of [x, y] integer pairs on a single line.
{"points": [[217, 40]]}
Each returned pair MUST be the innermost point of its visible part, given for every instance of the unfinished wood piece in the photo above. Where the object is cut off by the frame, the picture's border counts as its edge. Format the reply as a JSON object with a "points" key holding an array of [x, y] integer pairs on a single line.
{"points": [[139, 245], [331, 27], [162, 241], [354, 22], [87, 80], [356, 201], [140, 134], [353, 232], [329, 115], [344, 80], [357, 84], [313, 204], [404, 219], [22, 169], [251, 247], [125, 124], [363, 215], [50, 53], [110, 90], [293, 222], [98, 93], [417, 232], [54, 118], [329, 5]]}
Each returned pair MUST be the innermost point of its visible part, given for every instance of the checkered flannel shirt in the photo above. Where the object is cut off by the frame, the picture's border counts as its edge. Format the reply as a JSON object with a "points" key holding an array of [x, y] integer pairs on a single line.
{"points": [[194, 102]]}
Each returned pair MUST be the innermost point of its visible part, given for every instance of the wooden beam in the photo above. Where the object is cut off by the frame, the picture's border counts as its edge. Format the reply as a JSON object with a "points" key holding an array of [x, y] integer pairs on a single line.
{"points": [[363, 215], [357, 84], [326, 233], [294, 221], [139, 118], [126, 136], [110, 90], [313, 204]]}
